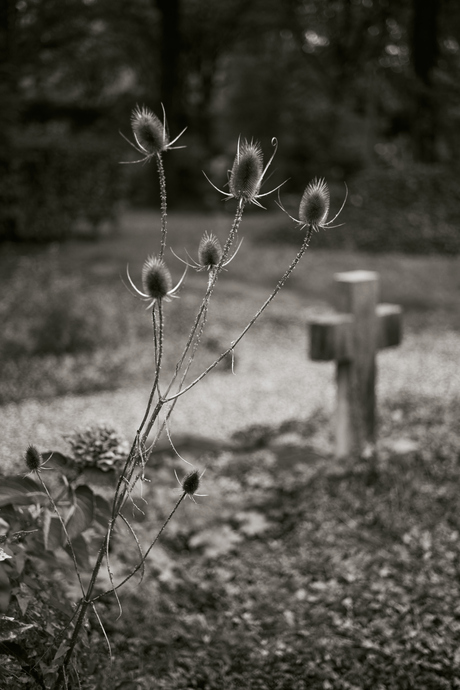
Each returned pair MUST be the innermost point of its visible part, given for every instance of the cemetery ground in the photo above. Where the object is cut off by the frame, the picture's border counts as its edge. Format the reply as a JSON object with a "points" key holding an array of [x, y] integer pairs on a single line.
{"points": [[296, 571]]}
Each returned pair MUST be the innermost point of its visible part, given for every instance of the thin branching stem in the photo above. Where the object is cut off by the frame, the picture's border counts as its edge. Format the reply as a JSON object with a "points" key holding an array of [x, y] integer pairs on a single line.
{"points": [[184, 374], [83, 607], [202, 312], [109, 647], [64, 528], [158, 330], [143, 559], [164, 204], [210, 287], [278, 287]]}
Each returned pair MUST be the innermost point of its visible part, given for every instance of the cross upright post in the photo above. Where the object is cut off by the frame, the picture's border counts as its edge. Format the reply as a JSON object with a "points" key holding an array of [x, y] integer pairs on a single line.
{"points": [[352, 337]]}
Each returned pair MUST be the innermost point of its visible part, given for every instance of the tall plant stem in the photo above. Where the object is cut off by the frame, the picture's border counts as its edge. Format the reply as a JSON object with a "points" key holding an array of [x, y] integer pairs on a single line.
{"points": [[278, 287], [164, 204], [202, 312], [209, 290], [64, 528], [158, 336], [143, 559], [83, 606]]}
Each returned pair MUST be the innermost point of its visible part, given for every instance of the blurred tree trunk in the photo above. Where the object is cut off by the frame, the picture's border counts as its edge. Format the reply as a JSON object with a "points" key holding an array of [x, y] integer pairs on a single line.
{"points": [[9, 114], [8, 69], [171, 48], [424, 52]]}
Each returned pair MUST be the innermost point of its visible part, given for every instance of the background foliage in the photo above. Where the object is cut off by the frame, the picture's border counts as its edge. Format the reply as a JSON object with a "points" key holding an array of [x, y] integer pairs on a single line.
{"points": [[353, 89]]}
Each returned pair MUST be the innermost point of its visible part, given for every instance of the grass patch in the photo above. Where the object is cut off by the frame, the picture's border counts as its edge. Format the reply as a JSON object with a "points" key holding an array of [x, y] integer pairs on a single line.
{"points": [[67, 314]]}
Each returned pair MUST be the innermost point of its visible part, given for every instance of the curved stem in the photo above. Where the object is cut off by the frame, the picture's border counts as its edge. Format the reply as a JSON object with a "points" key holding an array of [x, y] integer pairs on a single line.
{"points": [[64, 528], [142, 561], [278, 287], [83, 605], [209, 290], [158, 337]]}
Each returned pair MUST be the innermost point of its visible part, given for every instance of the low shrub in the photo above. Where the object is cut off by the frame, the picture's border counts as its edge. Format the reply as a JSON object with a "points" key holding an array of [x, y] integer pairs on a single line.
{"points": [[413, 209], [46, 312], [52, 186]]}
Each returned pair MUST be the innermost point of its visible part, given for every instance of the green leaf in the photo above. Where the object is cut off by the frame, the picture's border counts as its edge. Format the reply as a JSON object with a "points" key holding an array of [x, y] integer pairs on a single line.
{"points": [[64, 646], [103, 512], [11, 629], [61, 462], [5, 553], [80, 549], [5, 589], [53, 532], [23, 596], [20, 491], [83, 513]]}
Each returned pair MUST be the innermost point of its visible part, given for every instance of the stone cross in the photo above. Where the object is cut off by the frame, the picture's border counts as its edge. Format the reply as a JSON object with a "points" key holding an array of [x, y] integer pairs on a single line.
{"points": [[351, 337]]}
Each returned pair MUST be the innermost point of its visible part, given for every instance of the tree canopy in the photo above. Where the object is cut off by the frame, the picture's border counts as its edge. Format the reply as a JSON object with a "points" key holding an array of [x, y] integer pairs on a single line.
{"points": [[343, 84]]}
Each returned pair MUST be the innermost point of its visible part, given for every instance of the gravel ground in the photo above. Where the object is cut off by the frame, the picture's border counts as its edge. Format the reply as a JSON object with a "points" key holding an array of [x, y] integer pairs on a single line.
{"points": [[273, 381]]}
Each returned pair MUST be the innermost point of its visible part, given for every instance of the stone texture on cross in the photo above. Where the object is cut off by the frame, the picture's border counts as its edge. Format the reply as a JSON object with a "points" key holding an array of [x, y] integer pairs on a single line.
{"points": [[352, 337]]}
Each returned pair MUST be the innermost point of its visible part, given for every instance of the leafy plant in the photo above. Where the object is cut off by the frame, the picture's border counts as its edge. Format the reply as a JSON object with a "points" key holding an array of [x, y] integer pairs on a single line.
{"points": [[61, 510], [56, 181]]}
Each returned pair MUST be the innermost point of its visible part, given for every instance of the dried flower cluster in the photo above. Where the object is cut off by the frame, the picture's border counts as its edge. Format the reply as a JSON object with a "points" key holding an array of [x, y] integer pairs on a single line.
{"points": [[98, 446]]}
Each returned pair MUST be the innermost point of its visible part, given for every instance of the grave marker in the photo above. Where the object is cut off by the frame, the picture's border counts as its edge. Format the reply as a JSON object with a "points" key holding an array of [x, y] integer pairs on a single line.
{"points": [[351, 337]]}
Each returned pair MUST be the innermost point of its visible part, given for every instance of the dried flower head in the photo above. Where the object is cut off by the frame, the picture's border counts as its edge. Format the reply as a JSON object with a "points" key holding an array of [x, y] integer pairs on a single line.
{"points": [[190, 483], [314, 206], [247, 170], [315, 202], [156, 278], [156, 281], [209, 254], [247, 173], [150, 133], [99, 446], [209, 251], [33, 459]]}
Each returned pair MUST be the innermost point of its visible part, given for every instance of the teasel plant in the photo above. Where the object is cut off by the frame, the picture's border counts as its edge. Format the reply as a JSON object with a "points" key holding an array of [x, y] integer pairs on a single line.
{"points": [[245, 181]]}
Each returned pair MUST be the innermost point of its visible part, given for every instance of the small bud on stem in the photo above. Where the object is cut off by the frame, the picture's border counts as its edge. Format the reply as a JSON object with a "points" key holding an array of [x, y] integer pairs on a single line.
{"points": [[209, 251], [156, 278], [191, 483], [33, 459]]}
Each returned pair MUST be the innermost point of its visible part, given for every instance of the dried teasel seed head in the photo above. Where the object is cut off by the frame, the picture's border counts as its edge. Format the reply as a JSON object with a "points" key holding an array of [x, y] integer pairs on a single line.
{"points": [[247, 172], [148, 131], [33, 458], [191, 482], [209, 251], [156, 278], [314, 205]]}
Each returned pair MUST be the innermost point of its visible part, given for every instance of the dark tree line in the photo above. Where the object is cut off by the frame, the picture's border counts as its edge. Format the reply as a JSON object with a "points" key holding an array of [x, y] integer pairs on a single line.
{"points": [[330, 78]]}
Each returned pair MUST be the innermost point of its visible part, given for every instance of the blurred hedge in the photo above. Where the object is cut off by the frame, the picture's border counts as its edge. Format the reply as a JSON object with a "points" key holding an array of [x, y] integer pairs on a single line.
{"points": [[52, 187], [413, 209]]}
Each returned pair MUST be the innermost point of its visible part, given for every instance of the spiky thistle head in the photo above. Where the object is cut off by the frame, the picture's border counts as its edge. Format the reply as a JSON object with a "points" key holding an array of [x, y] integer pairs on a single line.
{"points": [[209, 251], [314, 205], [33, 459], [156, 278], [150, 133], [247, 172], [191, 483], [156, 281]]}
